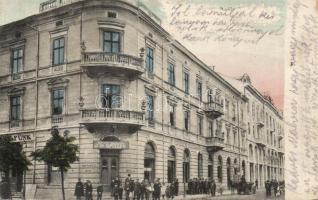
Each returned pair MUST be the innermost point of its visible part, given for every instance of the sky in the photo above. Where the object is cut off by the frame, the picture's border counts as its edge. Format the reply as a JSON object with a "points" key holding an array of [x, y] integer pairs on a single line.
{"points": [[263, 62]]}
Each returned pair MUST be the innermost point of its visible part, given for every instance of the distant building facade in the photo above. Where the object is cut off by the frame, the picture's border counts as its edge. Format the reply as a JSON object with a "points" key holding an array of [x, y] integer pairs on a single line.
{"points": [[137, 101]]}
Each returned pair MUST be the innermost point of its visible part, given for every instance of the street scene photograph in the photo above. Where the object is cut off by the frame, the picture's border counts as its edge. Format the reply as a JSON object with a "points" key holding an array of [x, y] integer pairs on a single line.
{"points": [[142, 99]]}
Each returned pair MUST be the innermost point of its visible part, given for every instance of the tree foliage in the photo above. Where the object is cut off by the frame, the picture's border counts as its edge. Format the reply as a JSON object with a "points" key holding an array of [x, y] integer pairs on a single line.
{"points": [[12, 155], [59, 151]]}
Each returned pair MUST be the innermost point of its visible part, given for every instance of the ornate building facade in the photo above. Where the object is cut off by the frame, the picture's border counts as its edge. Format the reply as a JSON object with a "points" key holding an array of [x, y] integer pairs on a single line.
{"points": [[137, 101]]}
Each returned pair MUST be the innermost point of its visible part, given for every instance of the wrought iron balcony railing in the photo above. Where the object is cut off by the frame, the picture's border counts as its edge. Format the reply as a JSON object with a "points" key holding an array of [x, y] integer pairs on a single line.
{"points": [[260, 141], [215, 143], [96, 62], [260, 122], [51, 4], [112, 116], [214, 110]]}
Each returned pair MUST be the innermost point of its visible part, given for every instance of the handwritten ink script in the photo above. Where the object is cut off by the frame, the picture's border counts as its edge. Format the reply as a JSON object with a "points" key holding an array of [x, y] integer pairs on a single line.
{"points": [[250, 24], [301, 110]]}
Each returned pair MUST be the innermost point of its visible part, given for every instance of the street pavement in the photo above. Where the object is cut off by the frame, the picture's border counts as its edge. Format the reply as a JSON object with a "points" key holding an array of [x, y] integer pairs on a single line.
{"points": [[260, 195]]}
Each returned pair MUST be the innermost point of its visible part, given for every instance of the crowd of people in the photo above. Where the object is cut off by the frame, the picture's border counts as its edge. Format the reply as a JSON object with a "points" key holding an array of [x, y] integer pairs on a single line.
{"points": [[137, 189], [140, 190], [274, 187], [130, 189], [201, 186]]}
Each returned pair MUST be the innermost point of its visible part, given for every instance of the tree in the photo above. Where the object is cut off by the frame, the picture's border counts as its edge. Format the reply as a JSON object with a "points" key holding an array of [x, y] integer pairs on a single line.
{"points": [[60, 152], [12, 157]]}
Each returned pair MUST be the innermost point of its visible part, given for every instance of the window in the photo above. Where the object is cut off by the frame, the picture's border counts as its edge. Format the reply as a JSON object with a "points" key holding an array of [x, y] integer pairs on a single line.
{"points": [[111, 96], [171, 165], [111, 14], [172, 115], [199, 90], [186, 82], [17, 61], [57, 101], [149, 162], [171, 75], [248, 107], [219, 169], [249, 128], [211, 128], [227, 106], [186, 165], [200, 125], [186, 120], [150, 107], [210, 96], [15, 106], [111, 42], [234, 111], [149, 60], [228, 136], [200, 165], [58, 51]]}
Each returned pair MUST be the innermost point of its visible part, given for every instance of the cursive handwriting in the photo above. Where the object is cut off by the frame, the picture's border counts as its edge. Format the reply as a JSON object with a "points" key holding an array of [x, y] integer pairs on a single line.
{"points": [[238, 25], [302, 103]]}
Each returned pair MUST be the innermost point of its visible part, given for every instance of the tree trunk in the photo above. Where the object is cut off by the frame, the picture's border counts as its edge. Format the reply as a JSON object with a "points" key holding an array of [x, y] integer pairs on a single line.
{"points": [[62, 180]]}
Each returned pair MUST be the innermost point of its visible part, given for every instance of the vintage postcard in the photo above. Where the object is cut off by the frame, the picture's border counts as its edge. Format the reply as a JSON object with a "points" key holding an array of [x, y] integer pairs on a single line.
{"points": [[158, 99]]}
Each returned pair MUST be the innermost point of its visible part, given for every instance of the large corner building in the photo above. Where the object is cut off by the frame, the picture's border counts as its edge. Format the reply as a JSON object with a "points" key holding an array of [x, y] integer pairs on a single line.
{"points": [[137, 101]]}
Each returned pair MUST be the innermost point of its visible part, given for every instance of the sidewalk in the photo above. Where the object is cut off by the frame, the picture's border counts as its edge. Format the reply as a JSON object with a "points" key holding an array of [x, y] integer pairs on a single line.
{"points": [[204, 196]]}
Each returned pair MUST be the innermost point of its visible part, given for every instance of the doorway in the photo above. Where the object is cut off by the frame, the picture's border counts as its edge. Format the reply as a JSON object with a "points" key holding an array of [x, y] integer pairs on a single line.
{"points": [[109, 168]]}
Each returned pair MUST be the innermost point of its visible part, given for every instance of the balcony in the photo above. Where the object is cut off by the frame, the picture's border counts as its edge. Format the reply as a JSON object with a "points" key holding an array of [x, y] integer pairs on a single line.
{"points": [[52, 4], [94, 118], [260, 141], [99, 63], [260, 123], [213, 110], [280, 150], [243, 125], [215, 143]]}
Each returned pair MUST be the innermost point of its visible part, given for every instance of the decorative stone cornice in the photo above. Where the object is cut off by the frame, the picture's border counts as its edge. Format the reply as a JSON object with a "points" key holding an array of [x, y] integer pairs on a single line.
{"points": [[57, 83], [16, 91]]}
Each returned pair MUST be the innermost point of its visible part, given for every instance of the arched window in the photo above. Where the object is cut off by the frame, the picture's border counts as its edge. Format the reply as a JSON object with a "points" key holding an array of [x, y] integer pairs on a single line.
{"points": [[251, 151], [236, 167], [186, 165], [200, 166], [149, 162], [220, 176], [171, 164], [228, 171], [243, 168], [256, 154], [210, 167]]}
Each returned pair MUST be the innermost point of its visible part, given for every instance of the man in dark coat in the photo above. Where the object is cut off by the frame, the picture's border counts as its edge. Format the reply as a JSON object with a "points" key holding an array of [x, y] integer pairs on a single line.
{"points": [[143, 190], [116, 192], [99, 190], [268, 188], [88, 190], [157, 190], [137, 190], [127, 186], [190, 186], [275, 186], [213, 188], [176, 187], [79, 189], [120, 190]]}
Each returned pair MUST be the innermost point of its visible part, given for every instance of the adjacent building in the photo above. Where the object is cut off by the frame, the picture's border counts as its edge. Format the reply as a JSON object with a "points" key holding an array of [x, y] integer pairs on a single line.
{"points": [[137, 101]]}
